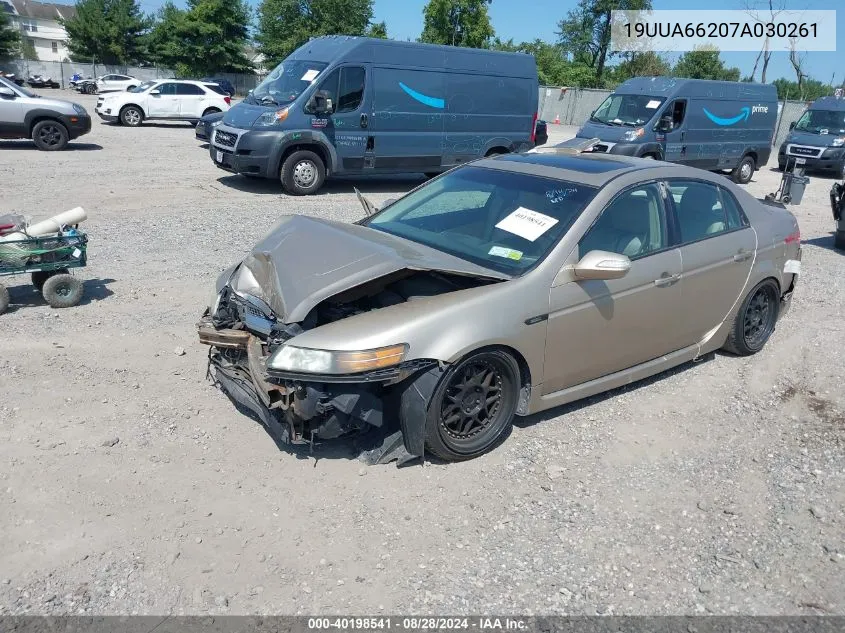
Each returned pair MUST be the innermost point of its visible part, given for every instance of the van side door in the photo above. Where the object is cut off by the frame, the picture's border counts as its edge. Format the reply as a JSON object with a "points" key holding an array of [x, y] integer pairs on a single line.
{"points": [[347, 127], [675, 148]]}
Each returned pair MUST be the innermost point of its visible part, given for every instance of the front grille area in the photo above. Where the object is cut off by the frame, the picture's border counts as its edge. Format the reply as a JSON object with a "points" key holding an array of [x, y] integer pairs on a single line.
{"points": [[225, 138], [798, 150], [599, 148]]}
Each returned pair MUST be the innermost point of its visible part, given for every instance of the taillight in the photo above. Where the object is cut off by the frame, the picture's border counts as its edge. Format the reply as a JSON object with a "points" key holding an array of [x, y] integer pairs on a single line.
{"points": [[793, 237], [534, 128], [228, 100]]}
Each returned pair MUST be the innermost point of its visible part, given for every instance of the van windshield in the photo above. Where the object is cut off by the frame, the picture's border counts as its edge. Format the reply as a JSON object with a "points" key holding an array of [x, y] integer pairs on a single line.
{"points": [[287, 81], [822, 122], [628, 110]]}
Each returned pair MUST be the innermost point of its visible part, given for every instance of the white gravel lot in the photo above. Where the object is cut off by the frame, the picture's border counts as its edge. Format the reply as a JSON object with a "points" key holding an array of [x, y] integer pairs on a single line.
{"points": [[129, 485]]}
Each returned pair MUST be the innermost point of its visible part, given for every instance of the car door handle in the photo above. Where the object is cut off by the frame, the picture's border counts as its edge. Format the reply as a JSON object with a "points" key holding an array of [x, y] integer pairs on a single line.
{"points": [[364, 121], [743, 256], [666, 280]]}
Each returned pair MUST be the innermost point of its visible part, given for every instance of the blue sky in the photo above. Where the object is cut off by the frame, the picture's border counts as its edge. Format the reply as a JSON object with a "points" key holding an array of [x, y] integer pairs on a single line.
{"points": [[530, 19]]}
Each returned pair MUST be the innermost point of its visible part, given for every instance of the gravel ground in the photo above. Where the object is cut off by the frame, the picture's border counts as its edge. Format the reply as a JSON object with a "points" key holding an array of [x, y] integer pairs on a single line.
{"points": [[130, 485]]}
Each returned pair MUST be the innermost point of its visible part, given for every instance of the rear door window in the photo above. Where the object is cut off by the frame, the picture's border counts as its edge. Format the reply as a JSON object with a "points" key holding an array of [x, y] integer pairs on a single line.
{"points": [[704, 210], [188, 89]]}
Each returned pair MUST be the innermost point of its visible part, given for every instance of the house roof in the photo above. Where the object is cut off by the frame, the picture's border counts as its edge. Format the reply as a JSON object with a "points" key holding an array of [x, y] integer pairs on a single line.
{"points": [[43, 10]]}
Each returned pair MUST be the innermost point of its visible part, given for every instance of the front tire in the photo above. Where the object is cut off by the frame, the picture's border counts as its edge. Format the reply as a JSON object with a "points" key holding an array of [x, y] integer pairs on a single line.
{"points": [[62, 291], [50, 136], [756, 320], [473, 406], [743, 172], [131, 116], [302, 173]]}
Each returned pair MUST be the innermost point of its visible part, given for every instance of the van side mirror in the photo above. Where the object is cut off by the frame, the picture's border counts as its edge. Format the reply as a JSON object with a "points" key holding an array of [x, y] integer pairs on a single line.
{"points": [[7, 92], [320, 103], [602, 265], [665, 124], [792, 125]]}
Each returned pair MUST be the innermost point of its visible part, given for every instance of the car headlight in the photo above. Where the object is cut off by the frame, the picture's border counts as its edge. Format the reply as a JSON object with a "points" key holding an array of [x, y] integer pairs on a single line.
{"points": [[79, 109], [633, 135], [271, 118], [216, 123], [320, 361], [838, 142]]}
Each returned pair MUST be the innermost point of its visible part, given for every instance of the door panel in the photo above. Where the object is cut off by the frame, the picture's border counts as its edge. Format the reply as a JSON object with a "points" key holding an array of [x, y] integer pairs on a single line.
{"points": [[348, 126], [601, 327], [166, 104], [11, 117]]}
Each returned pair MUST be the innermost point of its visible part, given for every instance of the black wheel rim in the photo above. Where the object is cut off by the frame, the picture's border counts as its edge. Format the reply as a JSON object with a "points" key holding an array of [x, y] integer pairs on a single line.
{"points": [[472, 403], [63, 290], [50, 135], [759, 318]]}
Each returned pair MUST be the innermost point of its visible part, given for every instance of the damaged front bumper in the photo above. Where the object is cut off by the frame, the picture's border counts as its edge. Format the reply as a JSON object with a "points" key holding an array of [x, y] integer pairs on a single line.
{"points": [[306, 409]]}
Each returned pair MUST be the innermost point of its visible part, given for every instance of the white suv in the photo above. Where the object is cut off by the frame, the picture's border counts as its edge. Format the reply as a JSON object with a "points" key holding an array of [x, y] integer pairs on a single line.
{"points": [[163, 99], [111, 83]]}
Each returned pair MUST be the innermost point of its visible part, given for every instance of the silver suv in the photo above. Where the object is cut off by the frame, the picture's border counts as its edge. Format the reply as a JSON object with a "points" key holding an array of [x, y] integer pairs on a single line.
{"points": [[50, 123]]}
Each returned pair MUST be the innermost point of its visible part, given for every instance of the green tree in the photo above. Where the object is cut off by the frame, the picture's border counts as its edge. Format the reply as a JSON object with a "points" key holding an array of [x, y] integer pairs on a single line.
{"points": [[553, 69], [378, 30], [457, 22], [585, 32], [207, 37], [645, 64], [28, 51], [9, 37], [108, 31], [810, 90], [704, 63], [285, 25]]}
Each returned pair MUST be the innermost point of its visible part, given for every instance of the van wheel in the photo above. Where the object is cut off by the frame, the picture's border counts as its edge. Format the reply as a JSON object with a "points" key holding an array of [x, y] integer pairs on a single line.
{"points": [[50, 136], [302, 173], [744, 171]]}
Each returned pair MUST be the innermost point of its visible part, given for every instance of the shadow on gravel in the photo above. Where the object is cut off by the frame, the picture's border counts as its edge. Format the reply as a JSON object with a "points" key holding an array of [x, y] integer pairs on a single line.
{"points": [[543, 416], [824, 242], [333, 186], [26, 295], [72, 147]]}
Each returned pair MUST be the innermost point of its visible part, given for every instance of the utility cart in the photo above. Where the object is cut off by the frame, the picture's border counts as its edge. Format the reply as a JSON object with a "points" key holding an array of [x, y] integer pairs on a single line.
{"points": [[48, 260]]}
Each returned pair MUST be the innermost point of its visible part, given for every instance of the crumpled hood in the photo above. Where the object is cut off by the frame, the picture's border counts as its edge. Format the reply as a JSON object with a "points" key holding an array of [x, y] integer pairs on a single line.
{"points": [[243, 115], [305, 260], [611, 133], [813, 140]]}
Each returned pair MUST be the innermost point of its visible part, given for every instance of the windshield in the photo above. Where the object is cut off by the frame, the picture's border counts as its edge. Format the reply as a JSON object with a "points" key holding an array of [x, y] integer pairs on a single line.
{"points": [[628, 110], [287, 81], [144, 86], [822, 122], [500, 220], [20, 89]]}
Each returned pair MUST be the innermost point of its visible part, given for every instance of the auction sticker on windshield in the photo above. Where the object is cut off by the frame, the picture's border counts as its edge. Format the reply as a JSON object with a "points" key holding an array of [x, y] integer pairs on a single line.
{"points": [[509, 253], [310, 75], [527, 224], [651, 105]]}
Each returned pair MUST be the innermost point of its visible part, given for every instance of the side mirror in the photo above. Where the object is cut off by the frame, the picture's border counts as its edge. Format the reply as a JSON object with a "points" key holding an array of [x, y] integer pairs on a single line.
{"points": [[387, 203], [602, 265], [665, 124], [155, 92], [792, 125], [7, 92], [321, 103]]}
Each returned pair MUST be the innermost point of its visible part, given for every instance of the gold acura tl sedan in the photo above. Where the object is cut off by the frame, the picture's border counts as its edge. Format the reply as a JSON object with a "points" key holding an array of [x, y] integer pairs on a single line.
{"points": [[504, 287]]}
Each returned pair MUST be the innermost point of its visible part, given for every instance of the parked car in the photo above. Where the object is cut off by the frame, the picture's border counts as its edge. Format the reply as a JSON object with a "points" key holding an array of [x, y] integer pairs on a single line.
{"points": [[171, 99], [354, 105], [49, 122], [207, 124], [818, 137], [505, 287], [116, 83], [541, 133], [222, 82], [714, 125]]}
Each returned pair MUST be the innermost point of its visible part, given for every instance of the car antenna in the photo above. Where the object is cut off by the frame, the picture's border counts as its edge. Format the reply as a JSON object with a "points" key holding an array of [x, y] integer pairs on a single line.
{"points": [[369, 209]]}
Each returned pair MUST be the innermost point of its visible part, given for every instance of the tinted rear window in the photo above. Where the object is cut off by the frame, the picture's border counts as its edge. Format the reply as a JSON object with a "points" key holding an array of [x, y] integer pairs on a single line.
{"points": [[218, 90]]}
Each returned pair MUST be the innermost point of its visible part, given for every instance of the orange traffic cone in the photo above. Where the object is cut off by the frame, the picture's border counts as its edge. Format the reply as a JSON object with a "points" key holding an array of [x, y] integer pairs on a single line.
{"points": [[557, 119]]}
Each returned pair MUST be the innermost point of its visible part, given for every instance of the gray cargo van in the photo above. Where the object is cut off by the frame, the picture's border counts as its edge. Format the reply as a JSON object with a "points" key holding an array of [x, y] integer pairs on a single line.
{"points": [[713, 125], [818, 137], [354, 105]]}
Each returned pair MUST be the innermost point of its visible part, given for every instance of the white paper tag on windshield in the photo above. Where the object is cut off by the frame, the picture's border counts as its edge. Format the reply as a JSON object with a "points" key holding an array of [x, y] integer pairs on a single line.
{"points": [[310, 75], [651, 105], [527, 224], [508, 253], [792, 267]]}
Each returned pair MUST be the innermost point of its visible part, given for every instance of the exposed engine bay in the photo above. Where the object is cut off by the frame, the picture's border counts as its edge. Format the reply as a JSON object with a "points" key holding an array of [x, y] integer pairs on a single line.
{"points": [[243, 332]]}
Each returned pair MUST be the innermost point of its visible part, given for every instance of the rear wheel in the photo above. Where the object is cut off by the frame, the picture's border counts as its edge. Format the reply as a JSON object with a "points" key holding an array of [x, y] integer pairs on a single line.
{"points": [[743, 172], [62, 291], [131, 116], [211, 111], [473, 406], [302, 173], [40, 277], [756, 319], [50, 136]]}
